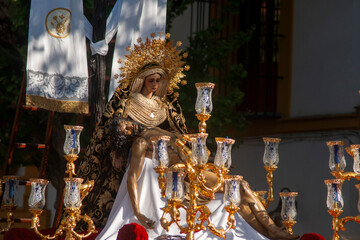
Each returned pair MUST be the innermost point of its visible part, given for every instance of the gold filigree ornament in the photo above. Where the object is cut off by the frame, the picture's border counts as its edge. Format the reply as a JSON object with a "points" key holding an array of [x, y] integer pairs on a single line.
{"points": [[154, 50]]}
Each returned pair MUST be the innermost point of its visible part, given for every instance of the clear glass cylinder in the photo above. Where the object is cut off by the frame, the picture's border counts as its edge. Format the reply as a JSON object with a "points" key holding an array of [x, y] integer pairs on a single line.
{"points": [[232, 190], [175, 185], [336, 159], [203, 103], [72, 198], [160, 155], [355, 150], [334, 198], [358, 205], [288, 207], [72, 139], [271, 153], [199, 154], [37, 195], [11, 192], [223, 152]]}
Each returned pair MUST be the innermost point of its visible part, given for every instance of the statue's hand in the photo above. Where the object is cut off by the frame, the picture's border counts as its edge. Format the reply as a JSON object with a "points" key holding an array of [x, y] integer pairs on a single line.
{"points": [[126, 127], [245, 187], [145, 221]]}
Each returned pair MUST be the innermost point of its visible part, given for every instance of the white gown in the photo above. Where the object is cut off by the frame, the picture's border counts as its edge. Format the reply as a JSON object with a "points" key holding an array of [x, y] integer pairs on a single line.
{"points": [[151, 203]]}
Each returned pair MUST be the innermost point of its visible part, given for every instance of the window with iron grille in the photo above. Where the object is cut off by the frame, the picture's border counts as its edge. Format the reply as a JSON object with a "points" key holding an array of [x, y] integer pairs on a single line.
{"points": [[260, 57]]}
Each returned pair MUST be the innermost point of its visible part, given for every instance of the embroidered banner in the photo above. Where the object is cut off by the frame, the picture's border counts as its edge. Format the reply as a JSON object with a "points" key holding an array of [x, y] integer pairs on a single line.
{"points": [[57, 72]]}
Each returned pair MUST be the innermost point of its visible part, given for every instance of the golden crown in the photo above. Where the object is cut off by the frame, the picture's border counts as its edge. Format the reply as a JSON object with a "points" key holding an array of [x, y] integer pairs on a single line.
{"points": [[159, 51]]}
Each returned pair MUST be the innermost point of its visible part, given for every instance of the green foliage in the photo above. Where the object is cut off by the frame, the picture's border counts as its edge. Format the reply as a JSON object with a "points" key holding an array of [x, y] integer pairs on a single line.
{"points": [[209, 62]]}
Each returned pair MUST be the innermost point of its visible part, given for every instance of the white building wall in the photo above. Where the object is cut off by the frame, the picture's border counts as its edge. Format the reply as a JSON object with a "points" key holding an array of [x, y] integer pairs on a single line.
{"points": [[326, 57]]}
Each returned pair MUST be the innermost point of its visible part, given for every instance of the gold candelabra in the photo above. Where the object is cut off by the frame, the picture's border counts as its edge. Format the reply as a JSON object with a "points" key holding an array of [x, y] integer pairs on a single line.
{"points": [[10, 199], [335, 200], [270, 159], [75, 192], [196, 169]]}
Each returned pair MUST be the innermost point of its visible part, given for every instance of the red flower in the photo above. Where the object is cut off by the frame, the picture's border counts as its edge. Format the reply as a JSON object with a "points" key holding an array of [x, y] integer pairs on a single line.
{"points": [[312, 236], [132, 231]]}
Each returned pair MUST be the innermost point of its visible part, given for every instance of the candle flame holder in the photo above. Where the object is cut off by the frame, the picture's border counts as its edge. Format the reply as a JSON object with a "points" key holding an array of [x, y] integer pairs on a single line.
{"points": [[337, 165], [203, 105], [10, 200], [288, 210], [270, 159]]}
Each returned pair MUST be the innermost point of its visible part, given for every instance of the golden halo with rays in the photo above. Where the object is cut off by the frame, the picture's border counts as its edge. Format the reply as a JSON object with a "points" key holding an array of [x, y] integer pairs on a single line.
{"points": [[154, 50]]}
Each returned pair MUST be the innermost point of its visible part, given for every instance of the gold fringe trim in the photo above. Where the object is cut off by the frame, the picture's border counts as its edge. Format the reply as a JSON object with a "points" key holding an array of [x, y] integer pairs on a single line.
{"points": [[57, 105]]}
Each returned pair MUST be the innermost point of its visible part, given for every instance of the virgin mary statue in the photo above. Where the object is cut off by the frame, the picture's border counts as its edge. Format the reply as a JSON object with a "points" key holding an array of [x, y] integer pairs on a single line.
{"points": [[145, 105]]}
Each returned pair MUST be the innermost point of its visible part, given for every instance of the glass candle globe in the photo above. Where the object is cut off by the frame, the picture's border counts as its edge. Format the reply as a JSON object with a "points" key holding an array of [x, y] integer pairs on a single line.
{"points": [[288, 207], [223, 152], [72, 198], [358, 187], [160, 155], [72, 139], [334, 198], [11, 192], [37, 195], [203, 103], [271, 153], [175, 185], [355, 152], [199, 154], [337, 158], [232, 190]]}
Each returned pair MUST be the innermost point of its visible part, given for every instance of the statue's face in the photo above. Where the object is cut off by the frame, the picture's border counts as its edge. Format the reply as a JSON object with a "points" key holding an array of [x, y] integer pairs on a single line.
{"points": [[152, 83]]}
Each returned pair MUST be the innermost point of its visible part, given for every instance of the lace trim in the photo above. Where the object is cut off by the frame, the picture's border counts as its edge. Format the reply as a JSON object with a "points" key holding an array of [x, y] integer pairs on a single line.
{"points": [[57, 86]]}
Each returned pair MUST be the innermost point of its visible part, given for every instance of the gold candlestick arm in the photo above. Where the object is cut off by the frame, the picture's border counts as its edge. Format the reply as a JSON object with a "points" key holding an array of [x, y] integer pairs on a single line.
{"points": [[172, 210], [335, 222], [10, 208], [35, 224], [210, 191], [86, 188], [231, 222], [269, 180], [345, 175], [338, 224], [67, 225]]}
